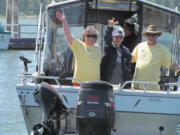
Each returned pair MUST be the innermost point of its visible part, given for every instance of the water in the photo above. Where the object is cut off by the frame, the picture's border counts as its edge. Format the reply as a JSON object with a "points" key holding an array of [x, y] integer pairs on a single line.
{"points": [[11, 118]]}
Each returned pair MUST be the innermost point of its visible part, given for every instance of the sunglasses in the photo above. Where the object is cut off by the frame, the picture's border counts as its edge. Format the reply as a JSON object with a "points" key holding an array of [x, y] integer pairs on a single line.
{"points": [[152, 35], [91, 36], [118, 37]]}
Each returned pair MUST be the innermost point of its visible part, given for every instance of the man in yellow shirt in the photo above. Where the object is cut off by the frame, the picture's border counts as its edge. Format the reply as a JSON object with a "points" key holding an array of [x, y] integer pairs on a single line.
{"points": [[149, 57], [87, 53]]}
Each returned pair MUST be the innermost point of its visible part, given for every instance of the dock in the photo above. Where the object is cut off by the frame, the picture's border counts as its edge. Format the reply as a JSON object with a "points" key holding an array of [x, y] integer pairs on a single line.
{"points": [[22, 43], [26, 37], [23, 36]]}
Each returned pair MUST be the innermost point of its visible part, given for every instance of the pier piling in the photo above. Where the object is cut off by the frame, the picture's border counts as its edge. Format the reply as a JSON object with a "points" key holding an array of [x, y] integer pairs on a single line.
{"points": [[12, 9]]}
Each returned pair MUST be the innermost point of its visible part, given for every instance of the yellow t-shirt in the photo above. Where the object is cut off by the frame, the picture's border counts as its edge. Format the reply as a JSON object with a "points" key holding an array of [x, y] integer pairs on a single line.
{"points": [[87, 60], [149, 60]]}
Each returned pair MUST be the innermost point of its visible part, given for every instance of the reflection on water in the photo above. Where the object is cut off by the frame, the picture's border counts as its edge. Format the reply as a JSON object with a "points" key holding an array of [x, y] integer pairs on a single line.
{"points": [[11, 118]]}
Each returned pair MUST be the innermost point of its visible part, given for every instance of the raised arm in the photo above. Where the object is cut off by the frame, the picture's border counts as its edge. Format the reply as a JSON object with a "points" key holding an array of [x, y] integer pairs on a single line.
{"points": [[108, 34], [62, 18]]}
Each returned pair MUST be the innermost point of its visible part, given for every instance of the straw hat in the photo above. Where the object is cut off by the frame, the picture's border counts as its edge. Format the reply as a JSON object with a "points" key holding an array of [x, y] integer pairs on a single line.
{"points": [[152, 29]]}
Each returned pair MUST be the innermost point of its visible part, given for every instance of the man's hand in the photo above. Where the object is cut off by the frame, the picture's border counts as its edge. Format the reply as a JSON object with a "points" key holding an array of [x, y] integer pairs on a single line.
{"points": [[112, 22], [60, 16]]}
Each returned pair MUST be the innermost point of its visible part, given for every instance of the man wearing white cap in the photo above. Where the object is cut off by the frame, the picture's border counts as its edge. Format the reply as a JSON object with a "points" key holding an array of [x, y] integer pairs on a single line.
{"points": [[115, 65]]}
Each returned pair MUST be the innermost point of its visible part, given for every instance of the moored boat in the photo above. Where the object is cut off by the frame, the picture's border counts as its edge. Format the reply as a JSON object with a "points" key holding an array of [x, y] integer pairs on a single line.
{"points": [[4, 38], [137, 112]]}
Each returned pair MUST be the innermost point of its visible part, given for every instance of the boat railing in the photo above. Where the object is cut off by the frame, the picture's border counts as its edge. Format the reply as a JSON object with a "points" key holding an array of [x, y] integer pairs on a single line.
{"points": [[147, 84], [23, 30], [25, 78]]}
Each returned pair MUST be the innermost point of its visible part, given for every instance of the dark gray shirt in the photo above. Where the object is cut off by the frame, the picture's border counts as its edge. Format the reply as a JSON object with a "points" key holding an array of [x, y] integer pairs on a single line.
{"points": [[117, 75]]}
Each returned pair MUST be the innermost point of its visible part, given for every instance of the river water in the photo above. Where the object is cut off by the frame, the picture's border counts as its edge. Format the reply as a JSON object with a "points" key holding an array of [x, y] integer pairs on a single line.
{"points": [[11, 118]]}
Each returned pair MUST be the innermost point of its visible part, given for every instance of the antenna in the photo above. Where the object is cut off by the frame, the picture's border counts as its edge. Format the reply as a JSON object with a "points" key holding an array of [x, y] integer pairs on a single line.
{"points": [[53, 1], [176, 9]]}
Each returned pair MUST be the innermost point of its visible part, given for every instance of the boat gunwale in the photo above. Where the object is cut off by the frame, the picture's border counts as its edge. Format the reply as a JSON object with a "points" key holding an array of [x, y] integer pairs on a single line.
{"points": [[124, 92]]}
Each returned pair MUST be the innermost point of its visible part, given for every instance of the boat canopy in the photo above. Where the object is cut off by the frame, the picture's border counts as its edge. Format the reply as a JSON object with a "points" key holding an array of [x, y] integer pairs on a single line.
{"points": [[81, 13]]}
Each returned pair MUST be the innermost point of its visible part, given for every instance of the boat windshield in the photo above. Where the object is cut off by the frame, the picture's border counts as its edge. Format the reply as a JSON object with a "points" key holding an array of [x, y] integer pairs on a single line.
{"points": [[57, 58], [63, 51], [168, 23]]}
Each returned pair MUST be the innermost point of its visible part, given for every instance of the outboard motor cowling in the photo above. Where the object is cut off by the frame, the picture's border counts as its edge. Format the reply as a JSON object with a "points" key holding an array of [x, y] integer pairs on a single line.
{"points": [[52, 107], [95, 109]]}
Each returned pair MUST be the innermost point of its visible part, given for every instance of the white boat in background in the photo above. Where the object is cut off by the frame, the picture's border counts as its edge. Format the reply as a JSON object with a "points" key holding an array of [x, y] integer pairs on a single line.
{"points": [[4, 38], [136, 112]]}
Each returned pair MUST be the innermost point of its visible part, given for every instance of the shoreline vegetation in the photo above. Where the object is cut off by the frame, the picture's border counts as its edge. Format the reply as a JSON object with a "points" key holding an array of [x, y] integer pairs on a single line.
{"points": [[30, 8]]}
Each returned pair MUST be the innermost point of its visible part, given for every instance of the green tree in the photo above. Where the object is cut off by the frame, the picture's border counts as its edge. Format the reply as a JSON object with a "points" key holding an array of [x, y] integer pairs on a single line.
{"points": [[3, 7]]}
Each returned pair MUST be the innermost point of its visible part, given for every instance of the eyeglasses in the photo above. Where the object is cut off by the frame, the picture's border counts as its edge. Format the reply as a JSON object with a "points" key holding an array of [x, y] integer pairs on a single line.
{"points": [[151, 34], [91, 36]]}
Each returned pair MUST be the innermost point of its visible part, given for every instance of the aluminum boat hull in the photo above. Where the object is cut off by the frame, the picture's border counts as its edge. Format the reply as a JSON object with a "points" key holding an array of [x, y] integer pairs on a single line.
{"points": [[137, 112]]}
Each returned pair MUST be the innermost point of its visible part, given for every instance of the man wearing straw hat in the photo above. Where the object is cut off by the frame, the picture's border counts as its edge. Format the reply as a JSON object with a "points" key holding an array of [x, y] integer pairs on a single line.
{"points": [[149, 57]]}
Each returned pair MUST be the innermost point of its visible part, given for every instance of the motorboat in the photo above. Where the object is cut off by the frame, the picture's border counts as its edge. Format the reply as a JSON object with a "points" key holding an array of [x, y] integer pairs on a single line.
{"points": [[4, 38], [48, 94]]}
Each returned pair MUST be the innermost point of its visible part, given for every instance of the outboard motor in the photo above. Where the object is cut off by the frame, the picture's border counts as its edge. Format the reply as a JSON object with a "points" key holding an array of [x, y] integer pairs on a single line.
{"points": [[95, 109], [52, 107]]}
